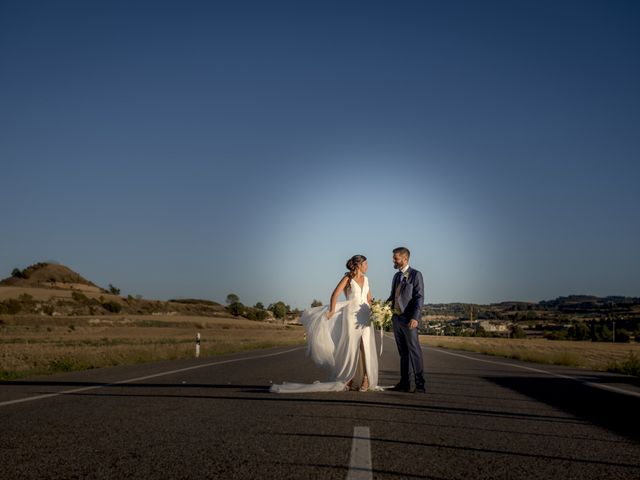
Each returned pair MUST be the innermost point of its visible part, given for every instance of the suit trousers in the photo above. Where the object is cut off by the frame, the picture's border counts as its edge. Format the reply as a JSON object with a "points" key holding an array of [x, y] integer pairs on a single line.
{"points": [[409, 350]]}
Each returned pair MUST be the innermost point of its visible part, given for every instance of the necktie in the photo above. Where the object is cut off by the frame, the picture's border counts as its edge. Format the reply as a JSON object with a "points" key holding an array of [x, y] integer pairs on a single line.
{"points": [[397, 294]]}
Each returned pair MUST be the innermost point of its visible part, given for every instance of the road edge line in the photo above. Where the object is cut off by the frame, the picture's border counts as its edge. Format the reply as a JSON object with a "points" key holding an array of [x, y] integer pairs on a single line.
{"points": [[531, 369], [147, 377]]}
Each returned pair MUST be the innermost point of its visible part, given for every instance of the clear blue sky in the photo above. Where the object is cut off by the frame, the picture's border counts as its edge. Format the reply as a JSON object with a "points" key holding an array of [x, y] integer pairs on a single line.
{"points": [[192, 149]]}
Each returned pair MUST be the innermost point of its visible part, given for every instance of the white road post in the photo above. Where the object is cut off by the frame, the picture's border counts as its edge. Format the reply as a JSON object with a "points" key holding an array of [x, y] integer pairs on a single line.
{"points": [[614, 332], [197, 344]]}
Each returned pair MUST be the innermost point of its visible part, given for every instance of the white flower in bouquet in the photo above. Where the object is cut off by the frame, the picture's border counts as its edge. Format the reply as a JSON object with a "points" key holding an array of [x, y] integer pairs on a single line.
{"points": [[381, 314]]}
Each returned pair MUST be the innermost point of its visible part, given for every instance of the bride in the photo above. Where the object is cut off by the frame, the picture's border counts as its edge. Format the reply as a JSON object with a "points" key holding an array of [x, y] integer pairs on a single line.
{"points": [[340, 336]]}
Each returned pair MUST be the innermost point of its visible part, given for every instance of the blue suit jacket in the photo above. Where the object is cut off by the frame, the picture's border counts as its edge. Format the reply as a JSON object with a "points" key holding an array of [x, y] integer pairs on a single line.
{"points": [[411, 298]]}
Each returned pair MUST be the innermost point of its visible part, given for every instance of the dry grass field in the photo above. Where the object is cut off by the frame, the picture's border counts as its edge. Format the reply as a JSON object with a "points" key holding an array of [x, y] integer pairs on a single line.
{"points": [[618, 357], [38, 344]]}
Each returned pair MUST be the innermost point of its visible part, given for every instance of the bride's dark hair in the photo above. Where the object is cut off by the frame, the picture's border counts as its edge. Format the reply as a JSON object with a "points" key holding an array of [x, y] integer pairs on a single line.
{"points": [[353, 263]]}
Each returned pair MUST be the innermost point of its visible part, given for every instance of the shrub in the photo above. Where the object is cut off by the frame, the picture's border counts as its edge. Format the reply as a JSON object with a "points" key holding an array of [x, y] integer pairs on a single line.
{"points": [[236, 309], [630, 366], [113, 290], [112, 306], [62, 365], [579, 331], [623, 336], [80, 297], [279, 309], [17, 273], [10, 306], [190, 301], [255, 314], [555, 335], [517, 332]]}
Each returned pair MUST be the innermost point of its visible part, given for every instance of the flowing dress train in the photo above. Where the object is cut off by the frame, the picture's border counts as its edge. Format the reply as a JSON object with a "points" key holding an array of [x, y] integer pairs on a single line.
{"points": [[335, 343]]}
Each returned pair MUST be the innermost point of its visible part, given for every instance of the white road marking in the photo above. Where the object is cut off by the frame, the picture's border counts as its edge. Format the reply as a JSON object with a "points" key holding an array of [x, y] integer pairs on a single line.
{"points": [[155, 375], [537, 370], [360, 463], [546, 372]]}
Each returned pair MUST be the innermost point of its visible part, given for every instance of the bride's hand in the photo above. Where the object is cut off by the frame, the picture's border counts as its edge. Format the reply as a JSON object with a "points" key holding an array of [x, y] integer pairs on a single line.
{"points": [[330, 314]]}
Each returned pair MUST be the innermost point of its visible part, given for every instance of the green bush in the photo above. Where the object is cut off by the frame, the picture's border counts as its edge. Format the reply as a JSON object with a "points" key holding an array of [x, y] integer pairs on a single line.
{"points": [[190, 301], [17, 273], [80, 297], [630, 366], [10, 306], [579, 331], [279, 309], [112, 306], [555, 335], [255, 314], [516, 331], [236, 309], [62, 365], [623, 336]]}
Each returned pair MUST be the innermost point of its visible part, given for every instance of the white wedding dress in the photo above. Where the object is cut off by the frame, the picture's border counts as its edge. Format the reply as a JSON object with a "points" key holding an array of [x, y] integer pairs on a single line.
{"points": [[335, 343]]}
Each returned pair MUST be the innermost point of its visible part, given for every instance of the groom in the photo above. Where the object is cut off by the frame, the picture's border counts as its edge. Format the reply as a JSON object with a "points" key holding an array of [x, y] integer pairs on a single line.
{"points": [[407, 297]]}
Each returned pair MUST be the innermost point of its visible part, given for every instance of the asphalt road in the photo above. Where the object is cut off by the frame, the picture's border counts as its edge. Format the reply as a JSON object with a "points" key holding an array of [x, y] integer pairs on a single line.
{"points": [[482, 417]]}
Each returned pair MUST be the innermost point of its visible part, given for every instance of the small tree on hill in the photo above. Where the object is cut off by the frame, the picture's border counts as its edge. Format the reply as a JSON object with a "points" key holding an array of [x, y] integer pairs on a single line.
{"points": [[316, 303], [232, 298], [17, 273], [236, 309], [113, 290], [279, 309]]}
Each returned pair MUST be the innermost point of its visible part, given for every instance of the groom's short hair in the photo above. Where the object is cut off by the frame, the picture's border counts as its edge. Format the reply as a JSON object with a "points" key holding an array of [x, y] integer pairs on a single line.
{"points": [[402, 251]]}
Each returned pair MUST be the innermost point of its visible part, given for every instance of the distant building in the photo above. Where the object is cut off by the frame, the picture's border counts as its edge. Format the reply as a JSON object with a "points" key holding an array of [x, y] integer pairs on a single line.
{"points": [[494, 327]]}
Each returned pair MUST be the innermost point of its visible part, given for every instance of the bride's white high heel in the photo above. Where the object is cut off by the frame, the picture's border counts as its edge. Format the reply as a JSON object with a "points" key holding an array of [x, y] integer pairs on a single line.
{"points": [[365, 385]]}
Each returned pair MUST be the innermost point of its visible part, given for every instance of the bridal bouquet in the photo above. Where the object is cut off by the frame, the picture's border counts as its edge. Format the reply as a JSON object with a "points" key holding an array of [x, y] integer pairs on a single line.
{"points": [[381, 314]]}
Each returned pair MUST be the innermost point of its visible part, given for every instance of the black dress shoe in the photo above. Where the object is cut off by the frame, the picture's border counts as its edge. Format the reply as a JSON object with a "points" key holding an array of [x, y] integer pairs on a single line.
{"points": [[400, 387], [420, 389]]}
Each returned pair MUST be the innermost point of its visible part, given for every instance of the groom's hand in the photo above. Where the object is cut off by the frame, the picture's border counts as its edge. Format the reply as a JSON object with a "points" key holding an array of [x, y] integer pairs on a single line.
{"points": [[413, 324]]}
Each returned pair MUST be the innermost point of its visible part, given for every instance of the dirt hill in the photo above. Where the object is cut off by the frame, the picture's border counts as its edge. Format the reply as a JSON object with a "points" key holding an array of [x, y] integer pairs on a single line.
{"points": [[55, 290], [49, 275]]}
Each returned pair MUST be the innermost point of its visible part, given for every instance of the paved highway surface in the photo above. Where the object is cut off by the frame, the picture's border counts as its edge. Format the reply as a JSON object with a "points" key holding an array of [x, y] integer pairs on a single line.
{"points": [[483, 417]]}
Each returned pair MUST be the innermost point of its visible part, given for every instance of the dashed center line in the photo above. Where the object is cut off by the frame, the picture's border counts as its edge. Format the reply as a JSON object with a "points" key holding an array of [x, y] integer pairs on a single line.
{"points": [[360, 463]]}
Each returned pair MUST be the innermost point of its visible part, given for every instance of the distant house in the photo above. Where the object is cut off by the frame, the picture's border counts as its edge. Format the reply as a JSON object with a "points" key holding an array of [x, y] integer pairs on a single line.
{"points": [[494, 327]]}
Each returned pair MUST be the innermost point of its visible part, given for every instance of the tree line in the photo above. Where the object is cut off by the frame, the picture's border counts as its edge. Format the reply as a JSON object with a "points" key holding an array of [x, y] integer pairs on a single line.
{"points": [[279, 309]]}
